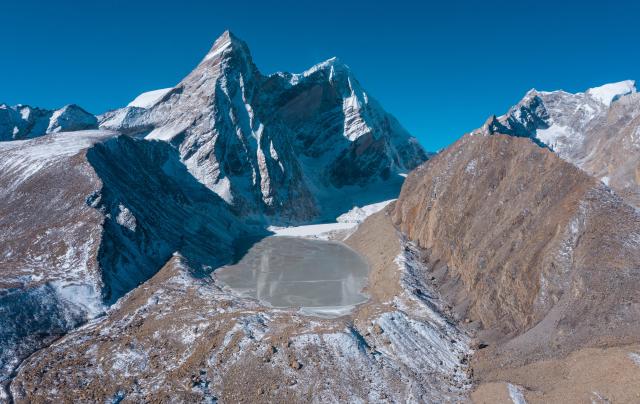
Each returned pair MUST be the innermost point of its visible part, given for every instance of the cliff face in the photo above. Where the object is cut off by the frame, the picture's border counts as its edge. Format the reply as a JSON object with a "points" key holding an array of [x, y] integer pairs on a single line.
{"points": [[525, 244]]}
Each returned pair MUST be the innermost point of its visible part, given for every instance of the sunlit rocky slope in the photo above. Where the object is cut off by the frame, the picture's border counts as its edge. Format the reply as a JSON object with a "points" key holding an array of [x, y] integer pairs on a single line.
{"points": [[537, 258]]}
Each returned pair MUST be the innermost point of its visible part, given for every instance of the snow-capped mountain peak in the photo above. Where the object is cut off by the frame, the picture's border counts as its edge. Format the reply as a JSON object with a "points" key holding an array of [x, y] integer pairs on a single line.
{"points": [[608, 93], [280, 145], [25, 122], [225, 45], [595, 130]]}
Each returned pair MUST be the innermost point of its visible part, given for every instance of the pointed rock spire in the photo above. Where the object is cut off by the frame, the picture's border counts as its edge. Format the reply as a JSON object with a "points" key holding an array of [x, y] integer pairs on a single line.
{"points": [[227, 42]]}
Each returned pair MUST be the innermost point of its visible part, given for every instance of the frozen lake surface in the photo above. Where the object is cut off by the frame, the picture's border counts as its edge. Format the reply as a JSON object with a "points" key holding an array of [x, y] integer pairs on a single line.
{"points": [[320, 277]]}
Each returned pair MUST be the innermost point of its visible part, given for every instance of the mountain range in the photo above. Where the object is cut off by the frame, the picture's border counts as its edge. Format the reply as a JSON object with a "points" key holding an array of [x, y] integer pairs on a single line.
{"points": [[507, 270]]}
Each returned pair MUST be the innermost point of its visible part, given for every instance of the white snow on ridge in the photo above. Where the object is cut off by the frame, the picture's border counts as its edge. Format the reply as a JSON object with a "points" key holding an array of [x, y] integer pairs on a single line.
{"points": [[26, 157], [606, 93], [329, 63], [357, 214], [312, 230], [54, 118], [347, 221], [149, 99], [56, 145], [219, 48]]}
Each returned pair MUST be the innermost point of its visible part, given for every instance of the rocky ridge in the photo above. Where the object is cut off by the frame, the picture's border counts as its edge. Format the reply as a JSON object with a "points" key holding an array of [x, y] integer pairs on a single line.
{"points": [[597, 130]]}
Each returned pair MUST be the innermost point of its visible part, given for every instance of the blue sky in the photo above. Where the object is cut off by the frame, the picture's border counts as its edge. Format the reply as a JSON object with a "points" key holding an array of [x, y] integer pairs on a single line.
{"points": [[441, 69]]}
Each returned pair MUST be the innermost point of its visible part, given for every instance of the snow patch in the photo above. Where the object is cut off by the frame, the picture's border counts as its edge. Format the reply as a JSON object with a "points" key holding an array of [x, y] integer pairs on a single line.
{"points": [[82, 296], [125, 218], [223, 189], [357, 214], [607, 93], [347, 221], [320, 231], [516, 394], [471, 167], [553, 134], [149, 99]]}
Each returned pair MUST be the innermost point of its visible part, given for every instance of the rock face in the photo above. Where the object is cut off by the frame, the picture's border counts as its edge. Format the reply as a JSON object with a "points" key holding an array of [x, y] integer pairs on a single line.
{"points": [[25, 122], [544, 257], [295, 147], [598, 130], [87, 216]]}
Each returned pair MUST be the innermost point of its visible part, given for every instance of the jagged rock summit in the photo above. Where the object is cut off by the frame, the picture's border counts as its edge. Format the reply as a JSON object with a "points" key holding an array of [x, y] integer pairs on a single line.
{"points": [[598, 130], [293, 147]]}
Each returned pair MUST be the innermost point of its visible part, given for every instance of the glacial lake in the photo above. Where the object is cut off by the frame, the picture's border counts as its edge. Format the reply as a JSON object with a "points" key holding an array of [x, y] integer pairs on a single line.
{"points": [[323, 278]]}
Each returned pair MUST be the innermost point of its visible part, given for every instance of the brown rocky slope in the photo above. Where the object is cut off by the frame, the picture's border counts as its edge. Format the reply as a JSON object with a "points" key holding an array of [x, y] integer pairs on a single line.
{"points": [[540, 257]]}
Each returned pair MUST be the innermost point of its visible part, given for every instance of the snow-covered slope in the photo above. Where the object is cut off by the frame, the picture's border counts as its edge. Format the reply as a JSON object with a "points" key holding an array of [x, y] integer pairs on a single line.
{"points": [[607, 93], [25, 122], [149, 99], [295, 147], [87, 216], [597, 130]]}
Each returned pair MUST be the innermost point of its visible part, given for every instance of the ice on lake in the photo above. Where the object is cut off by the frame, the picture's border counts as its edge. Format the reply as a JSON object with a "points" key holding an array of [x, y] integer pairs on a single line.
{"points": [[319, 277]]}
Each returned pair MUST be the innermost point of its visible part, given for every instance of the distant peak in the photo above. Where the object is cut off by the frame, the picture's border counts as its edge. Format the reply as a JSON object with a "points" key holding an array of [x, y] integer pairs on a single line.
{"points": [[333, 64], [608, 93]]}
